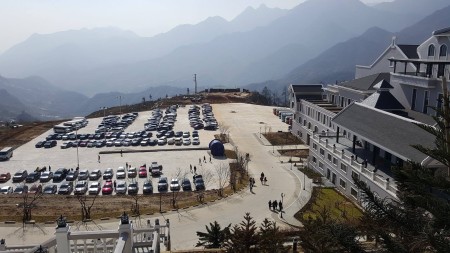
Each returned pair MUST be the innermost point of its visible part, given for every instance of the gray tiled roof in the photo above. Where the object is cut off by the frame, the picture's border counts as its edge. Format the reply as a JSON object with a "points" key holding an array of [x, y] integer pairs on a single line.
{"points": [[366, 83], [383, 100], [441, 31], [307, 88], [410, 51], [386, 130]]}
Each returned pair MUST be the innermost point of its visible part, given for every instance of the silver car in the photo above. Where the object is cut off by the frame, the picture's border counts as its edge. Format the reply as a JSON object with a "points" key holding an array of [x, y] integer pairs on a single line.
{"points": [[121, 187]]}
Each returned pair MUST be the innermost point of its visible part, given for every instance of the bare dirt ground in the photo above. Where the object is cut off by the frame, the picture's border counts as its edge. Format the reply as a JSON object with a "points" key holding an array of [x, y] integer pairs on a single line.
{"points": [[15, 137], [282, 138]]}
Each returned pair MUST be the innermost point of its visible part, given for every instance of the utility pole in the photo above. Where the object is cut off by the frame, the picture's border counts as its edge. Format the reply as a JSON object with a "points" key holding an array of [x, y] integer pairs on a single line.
{"points": [[120, 104], [195, 82]]}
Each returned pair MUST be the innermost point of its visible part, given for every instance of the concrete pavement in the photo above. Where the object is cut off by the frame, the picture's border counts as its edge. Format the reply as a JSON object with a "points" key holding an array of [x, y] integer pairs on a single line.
{"points": [[244, 121]]}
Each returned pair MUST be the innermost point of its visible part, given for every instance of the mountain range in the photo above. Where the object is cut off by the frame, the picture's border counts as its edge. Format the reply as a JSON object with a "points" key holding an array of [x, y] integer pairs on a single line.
{"points": [[319, 40]]}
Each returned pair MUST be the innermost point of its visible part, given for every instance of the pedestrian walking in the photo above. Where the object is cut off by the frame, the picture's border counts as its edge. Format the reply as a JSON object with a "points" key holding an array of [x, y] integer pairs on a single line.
{"points": [[265, 180], [253, 181], [209, 158], [262, 180], [199, 160], [121, 153], [98, 159], [126, 165], [275, 205], [204, 159], [190, 165], [262, 174], [114, 185], [280, 206], [49, 168], [195, 170], [270, 205]]}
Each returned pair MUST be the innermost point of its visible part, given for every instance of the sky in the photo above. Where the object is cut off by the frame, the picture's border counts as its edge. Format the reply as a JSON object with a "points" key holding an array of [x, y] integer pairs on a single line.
{"points": [[19, 19]]}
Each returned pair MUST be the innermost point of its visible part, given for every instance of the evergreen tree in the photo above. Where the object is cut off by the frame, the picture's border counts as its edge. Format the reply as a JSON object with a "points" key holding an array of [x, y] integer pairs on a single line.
{"points": [[270, 238], [244, 237], [214, 236]]}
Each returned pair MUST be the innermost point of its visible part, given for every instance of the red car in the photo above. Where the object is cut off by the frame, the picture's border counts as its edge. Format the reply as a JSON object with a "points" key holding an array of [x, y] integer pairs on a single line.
{"points": [[107, 187], [5, 177], [143, 172]]}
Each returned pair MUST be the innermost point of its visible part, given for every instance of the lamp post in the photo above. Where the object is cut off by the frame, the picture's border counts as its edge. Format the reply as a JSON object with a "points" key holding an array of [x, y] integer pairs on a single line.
{"points": [[120, 104], [304, 180], [281, 211], [78, 144]]}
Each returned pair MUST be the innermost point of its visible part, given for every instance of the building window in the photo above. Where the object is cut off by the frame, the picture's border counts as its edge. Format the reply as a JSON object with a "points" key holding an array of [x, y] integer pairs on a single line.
{"points": [[355, 174], [349, 101], [329, 157], [320, 165], [304, 122], [342, 183], [425, 102], [322, 152], [354, 193], [443, 50], [333, 178], [413, 101], [391, 64], [431, 50], [314, 159], [343, 167], [334, 161], [314, 146]]}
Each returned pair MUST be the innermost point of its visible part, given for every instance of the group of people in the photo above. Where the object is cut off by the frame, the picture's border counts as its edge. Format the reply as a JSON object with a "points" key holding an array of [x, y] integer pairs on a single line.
{"points": [[263, 179], [204, 160], [276, 205]]}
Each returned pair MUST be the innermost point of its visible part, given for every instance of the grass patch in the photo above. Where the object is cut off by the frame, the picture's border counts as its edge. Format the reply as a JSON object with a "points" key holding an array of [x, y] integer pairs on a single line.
{"points": [[310, 173], [339, 206], [282, 138]]}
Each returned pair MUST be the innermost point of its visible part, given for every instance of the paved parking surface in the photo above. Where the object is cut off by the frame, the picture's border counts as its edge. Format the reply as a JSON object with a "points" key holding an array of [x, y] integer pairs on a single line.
{"points": [[245, 121], [174, 162]]}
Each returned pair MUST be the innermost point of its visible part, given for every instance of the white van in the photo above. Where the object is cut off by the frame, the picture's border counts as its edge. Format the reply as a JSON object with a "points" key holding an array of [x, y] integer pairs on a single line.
{"points": [[6, 153]]}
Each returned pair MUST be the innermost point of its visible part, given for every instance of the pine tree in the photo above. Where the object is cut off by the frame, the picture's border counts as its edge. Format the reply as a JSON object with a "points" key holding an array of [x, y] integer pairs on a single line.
{"points": [[270, 238], [214, 236], [244, 237]]}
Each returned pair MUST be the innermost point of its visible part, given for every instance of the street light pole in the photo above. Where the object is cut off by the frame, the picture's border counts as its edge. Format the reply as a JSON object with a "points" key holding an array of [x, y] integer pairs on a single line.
{"points": [[282, 204], [304, 180], [78, 144]]}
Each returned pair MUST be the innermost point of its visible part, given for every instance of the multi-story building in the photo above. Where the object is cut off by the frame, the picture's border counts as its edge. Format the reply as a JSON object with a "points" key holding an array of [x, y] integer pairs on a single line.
{"points": [[364, 127]]}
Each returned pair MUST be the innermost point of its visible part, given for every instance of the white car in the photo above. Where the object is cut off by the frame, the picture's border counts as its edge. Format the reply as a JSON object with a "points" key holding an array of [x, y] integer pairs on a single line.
{"points": [[174, 185], [6, 190], [186, 141], [162, 141], [121, 173], [94, 189], [121, 187]]}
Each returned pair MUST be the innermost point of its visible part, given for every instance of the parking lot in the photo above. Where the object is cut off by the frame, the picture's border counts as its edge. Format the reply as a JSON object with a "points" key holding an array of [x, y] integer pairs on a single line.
{"points": [[176, 162]]}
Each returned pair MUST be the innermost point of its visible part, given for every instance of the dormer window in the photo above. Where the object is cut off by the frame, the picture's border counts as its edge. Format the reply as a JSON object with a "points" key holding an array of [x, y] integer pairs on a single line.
{"points": [[431, 50], [443, 50]]}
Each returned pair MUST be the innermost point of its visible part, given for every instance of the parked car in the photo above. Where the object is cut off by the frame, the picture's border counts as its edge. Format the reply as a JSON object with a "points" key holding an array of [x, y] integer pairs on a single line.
{"points": [[186, 184], [107, 187], [162, 184], [72, 175], [147, 187], [66, 188], [46, 176], [21, 189], [155, 169], [187, 141], [132, 172], [195, 141], [142, 172], [50, 189], [66, 145], [50, 144], [133, 188], [6, 190], [199, 183], [33, 177], [40, 144], [174, 184], [5, 177], [121, 187], [94, 188], [108, 174], [121, 173], [20, 176], [81, 187], [83, 175], [60, 175], [35, 189], [95, 175]]}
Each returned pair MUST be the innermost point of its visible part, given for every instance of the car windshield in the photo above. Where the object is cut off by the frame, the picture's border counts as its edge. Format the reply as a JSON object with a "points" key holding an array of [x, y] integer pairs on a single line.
{"points": [[64, 186], [80, 185], [4, 190]]}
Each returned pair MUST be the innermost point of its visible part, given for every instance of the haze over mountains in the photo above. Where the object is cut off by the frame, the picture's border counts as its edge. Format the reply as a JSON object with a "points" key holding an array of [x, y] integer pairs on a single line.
{"points": [[299, 45]]}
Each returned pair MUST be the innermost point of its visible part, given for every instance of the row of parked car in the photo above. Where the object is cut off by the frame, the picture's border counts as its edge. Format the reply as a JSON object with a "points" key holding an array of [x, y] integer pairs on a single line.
{"points": [[208, 122], [114, 123]]}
